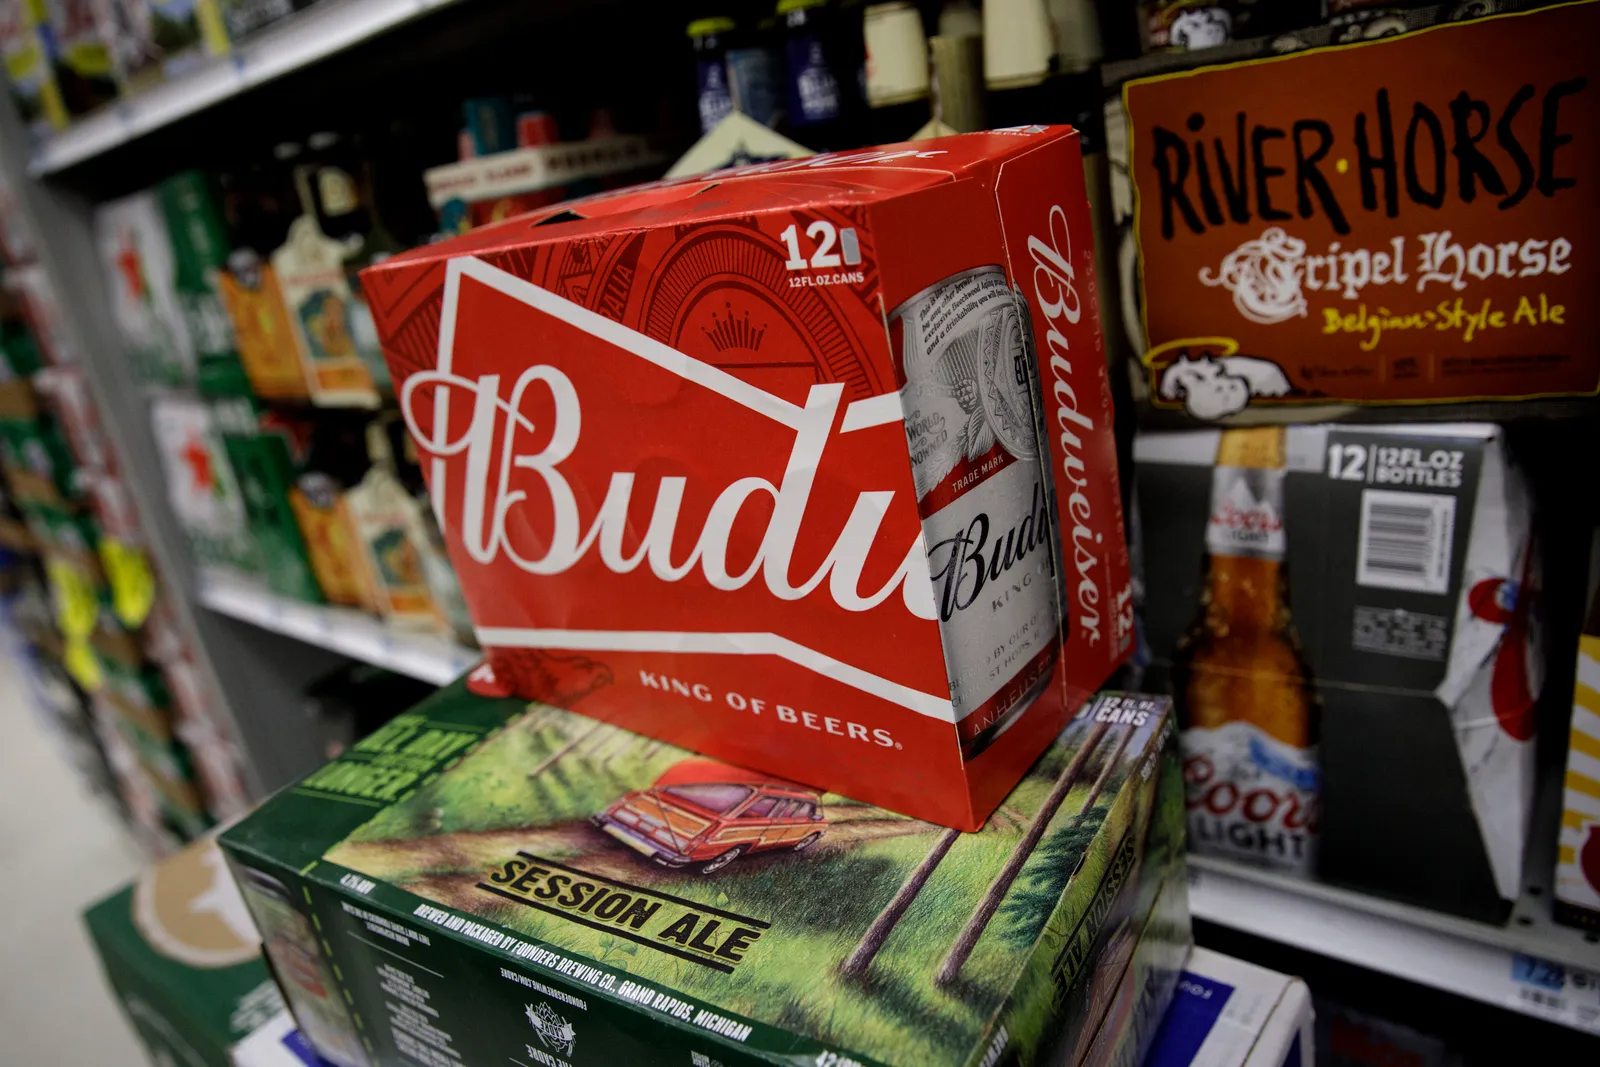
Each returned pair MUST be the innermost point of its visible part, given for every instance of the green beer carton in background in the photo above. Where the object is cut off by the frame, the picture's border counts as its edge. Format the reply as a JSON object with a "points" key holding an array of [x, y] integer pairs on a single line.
{"points": [[162, 251], [181, 954], [201, 486], [483, 881], [267, 451], [200, 247]]}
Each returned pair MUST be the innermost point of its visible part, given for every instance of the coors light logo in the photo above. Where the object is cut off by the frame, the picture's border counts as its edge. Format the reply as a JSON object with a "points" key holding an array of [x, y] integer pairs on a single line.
{"points": [[1246, 513]]}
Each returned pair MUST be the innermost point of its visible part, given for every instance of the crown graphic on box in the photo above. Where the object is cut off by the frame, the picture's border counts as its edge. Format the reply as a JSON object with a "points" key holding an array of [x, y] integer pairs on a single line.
{"points": [[733, 333]]}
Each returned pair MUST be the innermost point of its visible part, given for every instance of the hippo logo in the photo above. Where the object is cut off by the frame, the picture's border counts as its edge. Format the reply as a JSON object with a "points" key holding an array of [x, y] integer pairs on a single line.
{"points": [[1209, 379]]}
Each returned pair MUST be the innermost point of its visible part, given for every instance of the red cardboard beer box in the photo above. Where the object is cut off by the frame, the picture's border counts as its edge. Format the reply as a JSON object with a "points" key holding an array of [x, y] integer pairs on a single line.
{"points": [[806, 465]]}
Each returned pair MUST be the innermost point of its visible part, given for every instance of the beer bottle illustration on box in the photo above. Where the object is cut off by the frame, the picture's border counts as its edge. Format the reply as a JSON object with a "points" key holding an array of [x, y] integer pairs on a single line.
{"points": [[304, 972], [1250, 719], [972, 402]]}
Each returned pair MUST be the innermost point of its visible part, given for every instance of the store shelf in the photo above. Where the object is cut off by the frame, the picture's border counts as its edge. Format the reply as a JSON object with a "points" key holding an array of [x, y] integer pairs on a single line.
{"points": [[527, 170], [1531, 965], [322, 30], [344, 630]]}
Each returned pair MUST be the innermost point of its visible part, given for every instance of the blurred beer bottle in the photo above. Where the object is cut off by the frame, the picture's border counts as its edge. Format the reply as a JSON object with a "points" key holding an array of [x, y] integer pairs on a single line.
{"points": [[709, 38], [335, 184], [1019, 48], [1249, 716], [755, 67], [956, 55], [823, 59]]}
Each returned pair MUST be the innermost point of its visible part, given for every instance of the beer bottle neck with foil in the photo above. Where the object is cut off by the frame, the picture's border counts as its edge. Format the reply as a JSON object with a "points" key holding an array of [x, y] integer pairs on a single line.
{"points": [[1241, 659]]}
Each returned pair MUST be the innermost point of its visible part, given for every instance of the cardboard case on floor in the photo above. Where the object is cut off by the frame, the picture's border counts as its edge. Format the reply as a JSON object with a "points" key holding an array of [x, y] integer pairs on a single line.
{"points": [[182, 956], [778, 463], [483, 879], [1229, 1013]]}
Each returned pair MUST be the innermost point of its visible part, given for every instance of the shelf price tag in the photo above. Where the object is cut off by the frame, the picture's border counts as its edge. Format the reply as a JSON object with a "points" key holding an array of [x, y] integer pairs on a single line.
{"points": [[1566, 995]]}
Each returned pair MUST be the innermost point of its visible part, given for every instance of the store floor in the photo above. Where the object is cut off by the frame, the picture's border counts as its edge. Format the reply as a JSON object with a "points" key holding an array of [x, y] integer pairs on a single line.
{"points": [[62, 849]]}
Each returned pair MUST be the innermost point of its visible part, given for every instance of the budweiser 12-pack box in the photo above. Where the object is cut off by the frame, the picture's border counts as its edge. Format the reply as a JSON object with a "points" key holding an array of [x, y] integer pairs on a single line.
{"points": [[487, 881], [807, 465], [1346, 617]]}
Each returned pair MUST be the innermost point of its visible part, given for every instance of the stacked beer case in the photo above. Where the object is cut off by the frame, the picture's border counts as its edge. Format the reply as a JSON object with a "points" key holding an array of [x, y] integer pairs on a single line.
{"points": [[483, 879], [494, 875], [786, 473]]}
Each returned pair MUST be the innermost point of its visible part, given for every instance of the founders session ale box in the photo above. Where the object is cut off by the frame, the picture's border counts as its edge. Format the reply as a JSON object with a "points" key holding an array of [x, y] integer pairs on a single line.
{"points": [[805, 465], [490, 882]]}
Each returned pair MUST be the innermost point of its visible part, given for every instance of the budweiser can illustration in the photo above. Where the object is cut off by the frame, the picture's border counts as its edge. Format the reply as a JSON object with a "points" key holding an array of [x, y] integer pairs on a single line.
{"points": [[972, 400]]}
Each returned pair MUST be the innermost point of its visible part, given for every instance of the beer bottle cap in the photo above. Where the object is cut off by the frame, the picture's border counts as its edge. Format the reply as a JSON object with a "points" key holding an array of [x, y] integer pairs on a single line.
{"points": [[1260, 446], [709, 27]]}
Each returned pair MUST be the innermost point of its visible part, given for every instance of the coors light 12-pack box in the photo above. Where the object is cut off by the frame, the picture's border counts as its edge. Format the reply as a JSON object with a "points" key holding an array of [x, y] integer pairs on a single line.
{"points": [[806, 465], [487, 881], [1347, 620]]}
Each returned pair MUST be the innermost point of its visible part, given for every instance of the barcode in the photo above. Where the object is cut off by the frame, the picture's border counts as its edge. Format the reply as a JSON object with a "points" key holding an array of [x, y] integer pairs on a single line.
{"points": [[1400, 538], [1405, 540]]}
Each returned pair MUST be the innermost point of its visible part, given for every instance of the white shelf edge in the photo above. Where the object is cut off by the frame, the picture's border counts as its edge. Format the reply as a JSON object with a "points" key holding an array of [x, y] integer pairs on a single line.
{"points": [[300, 40], [344, 630], [1457, 956]]}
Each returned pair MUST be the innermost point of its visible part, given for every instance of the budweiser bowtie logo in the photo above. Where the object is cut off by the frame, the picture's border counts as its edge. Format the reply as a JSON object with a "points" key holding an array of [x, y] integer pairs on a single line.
{"points": [[565, 447]]}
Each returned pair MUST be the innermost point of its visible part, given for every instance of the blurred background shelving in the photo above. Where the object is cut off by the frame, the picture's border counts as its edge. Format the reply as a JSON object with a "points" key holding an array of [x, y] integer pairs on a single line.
{"points": [[377, 90]]}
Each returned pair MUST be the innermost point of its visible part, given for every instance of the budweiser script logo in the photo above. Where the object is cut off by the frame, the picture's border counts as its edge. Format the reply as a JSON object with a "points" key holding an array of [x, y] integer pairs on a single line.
{"points": [[485, 507], [968, 563], [1055, 291]]}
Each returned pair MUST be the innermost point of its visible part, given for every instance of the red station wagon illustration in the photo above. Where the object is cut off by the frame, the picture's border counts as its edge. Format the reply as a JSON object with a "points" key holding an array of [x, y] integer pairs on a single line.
{"points": [[708, 814]]}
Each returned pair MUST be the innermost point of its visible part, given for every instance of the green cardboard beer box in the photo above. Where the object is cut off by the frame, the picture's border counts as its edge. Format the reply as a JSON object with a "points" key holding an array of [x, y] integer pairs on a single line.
{"points": [[492, 882], [200, 244], [267, 450], [1136, 983], [162, 250], [182, 957], [202, 489]]}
